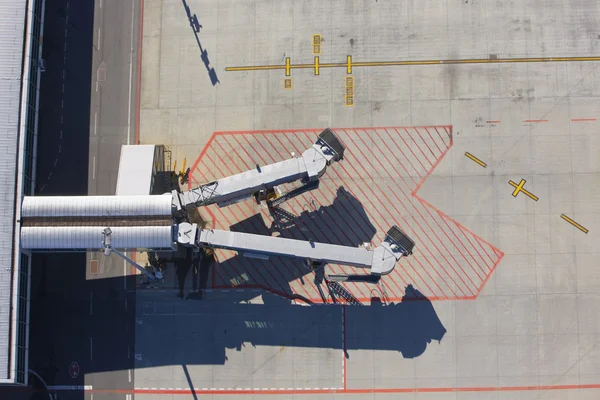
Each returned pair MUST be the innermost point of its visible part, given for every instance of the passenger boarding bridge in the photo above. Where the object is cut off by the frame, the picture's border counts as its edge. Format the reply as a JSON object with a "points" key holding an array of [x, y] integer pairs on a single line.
{"points": [[163, 222]]}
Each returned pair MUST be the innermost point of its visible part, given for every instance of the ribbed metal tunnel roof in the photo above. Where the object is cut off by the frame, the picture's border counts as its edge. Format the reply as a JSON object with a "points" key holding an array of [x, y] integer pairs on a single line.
{"points": [[12, 29], [84, 238], [96, 206]]}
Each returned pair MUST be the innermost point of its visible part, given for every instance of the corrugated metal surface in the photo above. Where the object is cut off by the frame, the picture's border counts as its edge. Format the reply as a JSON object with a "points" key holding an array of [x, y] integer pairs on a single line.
{"points": [[12, 25], [83, 238], [96, 206], [135, 170]]}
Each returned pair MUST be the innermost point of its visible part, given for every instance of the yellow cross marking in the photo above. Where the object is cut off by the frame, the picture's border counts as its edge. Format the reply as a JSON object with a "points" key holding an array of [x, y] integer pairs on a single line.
{"points": [[287, 66], [519, 188]]}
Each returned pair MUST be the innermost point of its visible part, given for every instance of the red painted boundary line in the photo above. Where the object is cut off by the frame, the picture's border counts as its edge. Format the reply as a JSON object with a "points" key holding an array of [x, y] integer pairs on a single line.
{"points": [[345, 391], [414, 193], [536, 120], [493, 122], [582, 119]]}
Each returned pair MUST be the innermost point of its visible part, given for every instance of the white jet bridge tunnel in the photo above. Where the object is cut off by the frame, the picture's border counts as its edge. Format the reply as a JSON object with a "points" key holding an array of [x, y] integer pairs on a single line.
{"points": [[162, 223]]}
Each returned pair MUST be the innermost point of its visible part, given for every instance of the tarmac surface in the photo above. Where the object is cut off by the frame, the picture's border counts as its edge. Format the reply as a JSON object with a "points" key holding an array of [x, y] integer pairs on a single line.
{"points": [[528, 329], [82, 321], [524, 328]]}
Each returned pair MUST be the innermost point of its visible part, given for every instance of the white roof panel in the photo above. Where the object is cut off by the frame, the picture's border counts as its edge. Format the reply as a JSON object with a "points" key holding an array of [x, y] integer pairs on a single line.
{"points": [[135, 170], [12, 29], [96, 206], [90, 237]]}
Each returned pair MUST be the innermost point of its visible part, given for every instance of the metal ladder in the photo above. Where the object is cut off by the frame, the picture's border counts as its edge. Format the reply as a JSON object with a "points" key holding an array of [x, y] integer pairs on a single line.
{"points": [[341, 291]]}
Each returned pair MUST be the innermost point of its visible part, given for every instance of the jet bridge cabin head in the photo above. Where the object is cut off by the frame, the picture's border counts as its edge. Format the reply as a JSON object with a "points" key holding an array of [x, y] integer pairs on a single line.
{"points": [[328, 142]]}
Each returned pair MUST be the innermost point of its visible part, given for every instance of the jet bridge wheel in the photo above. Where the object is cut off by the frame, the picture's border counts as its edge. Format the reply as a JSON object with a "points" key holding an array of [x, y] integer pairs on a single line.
{"points": [[313, 265]]}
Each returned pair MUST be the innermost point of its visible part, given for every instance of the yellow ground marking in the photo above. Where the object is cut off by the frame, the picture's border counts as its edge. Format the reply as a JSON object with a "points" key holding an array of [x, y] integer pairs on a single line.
{"points": [[316, 65], [477, 160], [575, 224], [183, 168], [288, 66], [349, 96], [519, 188], [287, 83], [316, 44], [349, 65]]}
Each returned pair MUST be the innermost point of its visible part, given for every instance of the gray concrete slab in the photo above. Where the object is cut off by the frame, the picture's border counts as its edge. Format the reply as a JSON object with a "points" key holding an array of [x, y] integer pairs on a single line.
{"points": [[531, 331]]}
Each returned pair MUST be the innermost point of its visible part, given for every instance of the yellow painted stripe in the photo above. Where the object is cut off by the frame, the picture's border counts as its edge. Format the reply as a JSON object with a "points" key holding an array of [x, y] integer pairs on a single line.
{"points": [[417, 62], [575, 224], [477, 160]]}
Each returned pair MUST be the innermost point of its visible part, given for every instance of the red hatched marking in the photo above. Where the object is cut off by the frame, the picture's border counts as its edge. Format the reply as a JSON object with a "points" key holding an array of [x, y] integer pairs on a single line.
{"points": [[357, 201]]}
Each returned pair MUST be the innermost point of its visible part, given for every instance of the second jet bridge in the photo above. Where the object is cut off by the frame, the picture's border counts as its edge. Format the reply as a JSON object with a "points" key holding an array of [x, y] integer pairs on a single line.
{"points": [[307, 168], [380, 261]]}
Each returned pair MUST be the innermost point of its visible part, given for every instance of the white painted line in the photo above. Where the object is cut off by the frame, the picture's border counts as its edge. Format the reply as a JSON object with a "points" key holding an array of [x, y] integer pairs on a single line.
{"points": [[100, 4], [91, 348], [62, 103], [99, 35], [63, 88], [92, 396], [130, 74], [55, 162], [343, 313], [128, 397], [95, 123], [129, 373], [91, 299], [237, 388], [124, 274], [97, 84], [65, 48], [94, 168], [64, 74], [61, 117]]}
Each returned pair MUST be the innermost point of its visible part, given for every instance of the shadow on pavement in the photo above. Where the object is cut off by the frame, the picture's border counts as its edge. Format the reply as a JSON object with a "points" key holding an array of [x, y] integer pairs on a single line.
{"points": [[90, 322], [175, 332], [206, 329], [195, 25]]}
